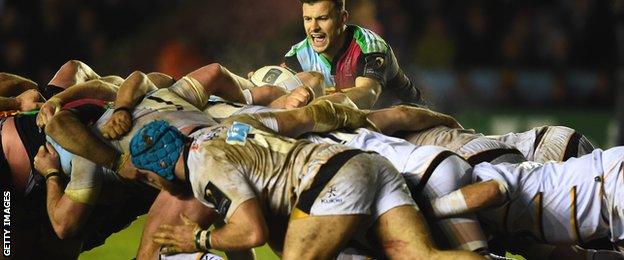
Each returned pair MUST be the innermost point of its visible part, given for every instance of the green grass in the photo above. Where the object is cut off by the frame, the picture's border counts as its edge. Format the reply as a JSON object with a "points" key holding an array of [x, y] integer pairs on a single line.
{"points": [[123, 245]]}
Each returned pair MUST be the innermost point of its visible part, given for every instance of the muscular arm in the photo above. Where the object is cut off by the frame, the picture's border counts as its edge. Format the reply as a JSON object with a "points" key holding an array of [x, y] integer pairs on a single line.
{"points": [[9, 103], [318, 117], [12, 85], [245, 229], [74, 136], [365, 92], [67, 216], [469, 199], [407, 118], [136, 85]]}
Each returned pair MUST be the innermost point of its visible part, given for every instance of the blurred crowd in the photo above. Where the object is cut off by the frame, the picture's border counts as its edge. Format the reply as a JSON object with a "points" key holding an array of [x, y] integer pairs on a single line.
{"points": [[466, 52]]}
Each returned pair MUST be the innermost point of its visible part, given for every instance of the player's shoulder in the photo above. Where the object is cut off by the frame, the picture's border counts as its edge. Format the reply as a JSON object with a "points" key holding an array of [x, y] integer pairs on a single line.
{"points": [[298, 47], [369, 41]]}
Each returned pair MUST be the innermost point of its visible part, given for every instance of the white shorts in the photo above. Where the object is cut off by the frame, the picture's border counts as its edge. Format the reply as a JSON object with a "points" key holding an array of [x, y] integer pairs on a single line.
{"points": [[366, 184], [559, 202]]}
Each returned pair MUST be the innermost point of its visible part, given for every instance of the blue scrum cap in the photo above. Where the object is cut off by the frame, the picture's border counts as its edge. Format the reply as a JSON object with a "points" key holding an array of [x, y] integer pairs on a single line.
{"points": [[156, 147]]}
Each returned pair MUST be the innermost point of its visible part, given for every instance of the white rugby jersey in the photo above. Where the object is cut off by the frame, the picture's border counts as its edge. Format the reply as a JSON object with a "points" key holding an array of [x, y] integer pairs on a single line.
{"points": [[161, 104], [559, 202], [241, 159], [548, 143]]}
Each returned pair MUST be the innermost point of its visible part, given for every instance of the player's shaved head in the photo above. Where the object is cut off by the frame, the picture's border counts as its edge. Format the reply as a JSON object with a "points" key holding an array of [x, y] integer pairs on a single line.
{"points": [[338, 4]]}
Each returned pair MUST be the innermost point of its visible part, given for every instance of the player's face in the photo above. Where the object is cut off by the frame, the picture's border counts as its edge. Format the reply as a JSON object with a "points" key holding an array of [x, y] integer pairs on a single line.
{"points": [[324, 26], [154, 180]]}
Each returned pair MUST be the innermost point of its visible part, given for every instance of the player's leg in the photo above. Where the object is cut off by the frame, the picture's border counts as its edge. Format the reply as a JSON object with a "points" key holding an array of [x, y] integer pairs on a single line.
{"points": [[451, 173], [166, 210], [319, 237], [403, 235], [401, 228]]}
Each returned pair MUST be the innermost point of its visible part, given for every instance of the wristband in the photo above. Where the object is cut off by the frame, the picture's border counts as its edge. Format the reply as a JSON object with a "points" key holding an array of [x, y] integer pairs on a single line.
{"points": [[208, 244], [123, 109], [202, 240], [198, 232], [248, 96], [51, 173]]}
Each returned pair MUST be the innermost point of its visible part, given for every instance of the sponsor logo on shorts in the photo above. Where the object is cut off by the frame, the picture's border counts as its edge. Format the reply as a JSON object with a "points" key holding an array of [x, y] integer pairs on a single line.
{"points": [[331, 196]]}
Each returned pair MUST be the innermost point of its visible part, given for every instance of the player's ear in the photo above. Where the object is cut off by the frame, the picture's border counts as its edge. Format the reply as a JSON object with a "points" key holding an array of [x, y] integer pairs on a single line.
{"points": [[344, 16]]}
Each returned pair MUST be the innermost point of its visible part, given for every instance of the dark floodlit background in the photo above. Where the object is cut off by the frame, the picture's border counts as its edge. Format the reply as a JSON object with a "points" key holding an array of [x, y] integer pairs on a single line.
{"points": [[498, 65], [476, 58]]}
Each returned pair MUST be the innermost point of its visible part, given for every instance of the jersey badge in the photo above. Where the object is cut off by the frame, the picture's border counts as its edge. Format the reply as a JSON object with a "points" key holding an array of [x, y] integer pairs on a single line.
{"points": [[237, 134]]}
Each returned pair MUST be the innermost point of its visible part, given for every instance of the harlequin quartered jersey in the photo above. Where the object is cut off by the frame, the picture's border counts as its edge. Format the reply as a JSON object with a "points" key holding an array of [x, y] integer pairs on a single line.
{"points": [[351, 61]]}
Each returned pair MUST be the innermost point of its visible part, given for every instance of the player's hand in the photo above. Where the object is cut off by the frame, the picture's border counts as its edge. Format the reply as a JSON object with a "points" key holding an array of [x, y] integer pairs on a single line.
{"points": [[49, 108], [29, 100], [177, 238], [47, 159], [117, 125], [299, 97]]}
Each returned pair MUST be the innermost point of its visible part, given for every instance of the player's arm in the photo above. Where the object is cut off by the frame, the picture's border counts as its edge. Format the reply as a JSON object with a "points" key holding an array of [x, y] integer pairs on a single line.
{"points": [[318, 117], [12, 85], [365, 92], [26, 101], [470, 199], [66, 215], [91, 89], [407, 118], [245, 229], [131, 91], [74, 135]]}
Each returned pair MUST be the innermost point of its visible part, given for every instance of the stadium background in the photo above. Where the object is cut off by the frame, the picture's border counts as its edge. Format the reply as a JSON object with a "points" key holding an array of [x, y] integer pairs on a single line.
{"points": [[497, 65]]}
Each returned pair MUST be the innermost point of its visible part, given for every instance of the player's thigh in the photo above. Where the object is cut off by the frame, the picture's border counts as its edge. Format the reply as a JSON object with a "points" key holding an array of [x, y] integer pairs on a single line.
{"points": [[402, 232], [319, 237]]}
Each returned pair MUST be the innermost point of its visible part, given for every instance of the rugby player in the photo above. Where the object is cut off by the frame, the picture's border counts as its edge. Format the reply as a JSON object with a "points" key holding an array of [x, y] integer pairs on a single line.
{"points": [[353, 59], [569, 202], [20, 140], [248, 174], [548, 143]]}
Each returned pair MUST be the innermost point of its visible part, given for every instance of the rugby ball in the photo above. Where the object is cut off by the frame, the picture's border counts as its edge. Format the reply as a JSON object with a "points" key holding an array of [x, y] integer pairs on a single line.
{"points": [[270, 75]]}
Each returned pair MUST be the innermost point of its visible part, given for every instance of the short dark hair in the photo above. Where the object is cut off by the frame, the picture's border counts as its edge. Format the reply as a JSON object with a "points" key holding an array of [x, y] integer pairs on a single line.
{"points": [[339, 4]]}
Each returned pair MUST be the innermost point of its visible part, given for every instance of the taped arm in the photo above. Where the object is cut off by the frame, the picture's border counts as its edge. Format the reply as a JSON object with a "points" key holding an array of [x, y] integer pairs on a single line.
{"points": [[470, 199], [319, 117]]}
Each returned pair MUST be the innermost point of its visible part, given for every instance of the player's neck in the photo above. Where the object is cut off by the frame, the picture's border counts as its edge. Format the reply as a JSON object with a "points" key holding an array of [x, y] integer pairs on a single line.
{"points": [[332, 52]]}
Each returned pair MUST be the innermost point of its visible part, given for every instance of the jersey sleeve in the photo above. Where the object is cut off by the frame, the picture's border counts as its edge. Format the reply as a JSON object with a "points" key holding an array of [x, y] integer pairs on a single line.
{"points": [[85, 183], [224, 186], [373, 66]]}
